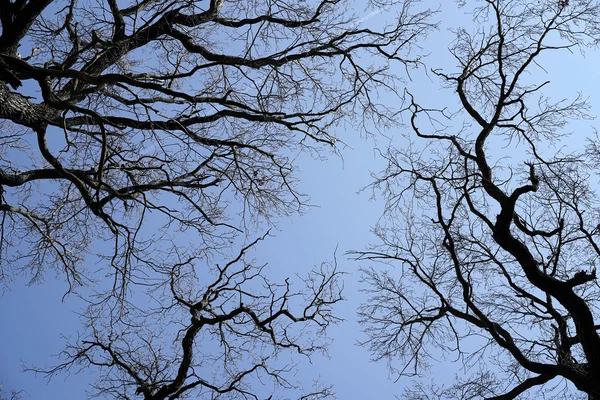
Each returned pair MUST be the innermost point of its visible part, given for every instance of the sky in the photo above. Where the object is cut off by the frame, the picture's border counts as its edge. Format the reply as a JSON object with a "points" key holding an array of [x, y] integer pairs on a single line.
{"points": [[34, 318]]}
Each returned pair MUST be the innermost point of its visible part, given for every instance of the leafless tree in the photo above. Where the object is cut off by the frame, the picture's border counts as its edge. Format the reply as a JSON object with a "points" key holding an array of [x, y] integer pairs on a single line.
{"points": [[157, 116], [491, 224], [228, 334], [150, 138]]}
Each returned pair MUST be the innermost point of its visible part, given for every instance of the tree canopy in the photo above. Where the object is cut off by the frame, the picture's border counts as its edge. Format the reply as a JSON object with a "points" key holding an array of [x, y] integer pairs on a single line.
{"points": [[147, 146], [492, 215]]}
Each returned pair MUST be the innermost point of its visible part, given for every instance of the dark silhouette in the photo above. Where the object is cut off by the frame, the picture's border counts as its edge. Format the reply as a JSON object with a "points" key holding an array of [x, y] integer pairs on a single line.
{"points": [[491, 227], [144, 141]]}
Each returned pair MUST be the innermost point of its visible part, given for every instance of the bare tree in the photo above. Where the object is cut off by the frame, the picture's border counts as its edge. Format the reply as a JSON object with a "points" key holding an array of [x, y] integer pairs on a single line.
{"points": [[162, 116], [493, 232], [232, 337], [149, 138]]}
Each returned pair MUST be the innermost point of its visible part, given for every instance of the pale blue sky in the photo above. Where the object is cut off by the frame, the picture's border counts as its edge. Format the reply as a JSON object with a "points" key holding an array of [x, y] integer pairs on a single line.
{"points": [[34, 318]]}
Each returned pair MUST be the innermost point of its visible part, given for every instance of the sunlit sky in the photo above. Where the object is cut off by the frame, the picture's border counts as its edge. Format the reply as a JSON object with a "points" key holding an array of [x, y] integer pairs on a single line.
{"points": [[34, 318]]}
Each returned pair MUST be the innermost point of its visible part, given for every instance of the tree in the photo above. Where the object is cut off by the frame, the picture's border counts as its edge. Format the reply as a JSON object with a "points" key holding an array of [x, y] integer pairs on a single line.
{"points": [[223, 334], [197, 104], [492, 232], [151, 139]]}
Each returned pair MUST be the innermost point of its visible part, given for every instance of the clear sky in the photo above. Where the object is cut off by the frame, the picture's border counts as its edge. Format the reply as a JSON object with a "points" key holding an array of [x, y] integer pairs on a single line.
{"points": [[34, 318]]}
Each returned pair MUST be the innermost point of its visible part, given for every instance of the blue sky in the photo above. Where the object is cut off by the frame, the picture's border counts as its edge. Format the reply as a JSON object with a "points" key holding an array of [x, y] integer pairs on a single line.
{"points": [[35, 318]]}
